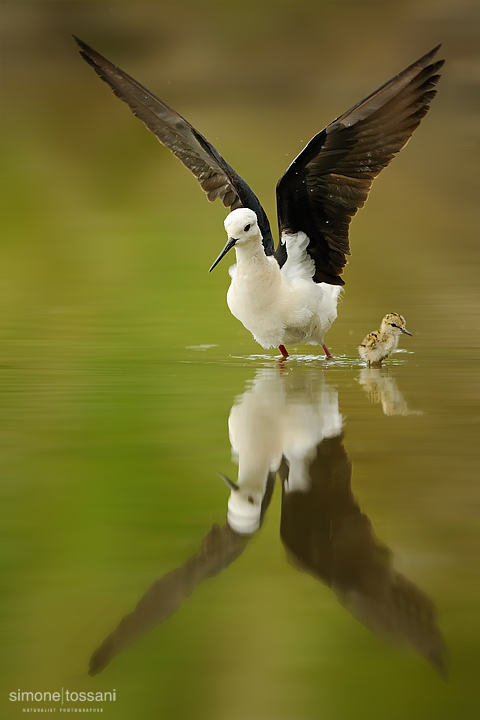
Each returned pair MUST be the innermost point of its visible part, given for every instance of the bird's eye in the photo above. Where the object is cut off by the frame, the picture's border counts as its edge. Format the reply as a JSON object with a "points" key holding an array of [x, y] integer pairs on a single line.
{"points": [[246, 228], [393, 325]]}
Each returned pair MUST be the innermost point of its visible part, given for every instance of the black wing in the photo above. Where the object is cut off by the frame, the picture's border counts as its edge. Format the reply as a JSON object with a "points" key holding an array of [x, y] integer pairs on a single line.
{"points": [[220, 547], [328, 536], [215, 176], [330, 180]]}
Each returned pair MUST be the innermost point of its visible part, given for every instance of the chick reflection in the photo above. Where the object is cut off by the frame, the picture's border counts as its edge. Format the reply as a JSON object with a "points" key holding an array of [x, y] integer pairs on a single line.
{"points": [[288, 422], [382, 388]]}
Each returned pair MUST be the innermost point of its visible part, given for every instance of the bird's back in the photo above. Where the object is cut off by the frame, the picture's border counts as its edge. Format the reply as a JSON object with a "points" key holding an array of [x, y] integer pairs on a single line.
{"points": [[377, 346]]}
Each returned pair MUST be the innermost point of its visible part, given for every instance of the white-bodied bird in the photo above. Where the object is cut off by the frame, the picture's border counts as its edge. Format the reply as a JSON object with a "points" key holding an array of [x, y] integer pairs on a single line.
{"points": [[290, 295]]}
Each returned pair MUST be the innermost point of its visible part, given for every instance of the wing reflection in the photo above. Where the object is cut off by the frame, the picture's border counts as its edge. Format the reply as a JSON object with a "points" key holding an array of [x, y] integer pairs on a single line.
{"points": [[220, 548], [288, 422], [327, 535]]}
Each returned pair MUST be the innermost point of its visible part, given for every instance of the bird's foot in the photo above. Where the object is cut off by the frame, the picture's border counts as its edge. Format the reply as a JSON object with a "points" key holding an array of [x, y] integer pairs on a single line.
{"points": [[327, 352], [284, 351]]}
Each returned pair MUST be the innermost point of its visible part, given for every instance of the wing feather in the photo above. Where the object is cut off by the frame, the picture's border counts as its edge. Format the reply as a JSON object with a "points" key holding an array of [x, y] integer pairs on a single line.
{"points": [[216, 177], [331, 178]]}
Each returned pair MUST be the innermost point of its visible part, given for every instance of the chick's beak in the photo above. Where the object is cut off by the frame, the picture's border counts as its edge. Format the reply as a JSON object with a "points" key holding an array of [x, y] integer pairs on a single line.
{"points": [[405, 332], [230, 243]]}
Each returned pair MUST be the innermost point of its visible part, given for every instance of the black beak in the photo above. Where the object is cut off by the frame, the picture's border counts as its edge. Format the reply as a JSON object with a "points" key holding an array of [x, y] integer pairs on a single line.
{"points": [[405, 332], [230, 243], [229, 482]]}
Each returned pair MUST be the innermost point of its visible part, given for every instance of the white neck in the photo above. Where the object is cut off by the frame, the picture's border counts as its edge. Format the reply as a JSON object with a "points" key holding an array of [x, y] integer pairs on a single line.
{"points": [[250, 254]]}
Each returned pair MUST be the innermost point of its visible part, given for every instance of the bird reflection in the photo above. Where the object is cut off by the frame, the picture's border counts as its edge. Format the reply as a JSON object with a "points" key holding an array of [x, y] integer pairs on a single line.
{"points": [[288, 423], [382, 388], [282, 415]]}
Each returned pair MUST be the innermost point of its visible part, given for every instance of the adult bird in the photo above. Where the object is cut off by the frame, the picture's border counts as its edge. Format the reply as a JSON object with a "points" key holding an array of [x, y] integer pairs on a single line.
{"points": [[290, 294]]}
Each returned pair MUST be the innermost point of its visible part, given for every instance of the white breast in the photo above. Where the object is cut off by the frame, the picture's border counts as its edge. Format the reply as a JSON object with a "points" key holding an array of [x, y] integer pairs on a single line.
{"points": [[284, 306]]}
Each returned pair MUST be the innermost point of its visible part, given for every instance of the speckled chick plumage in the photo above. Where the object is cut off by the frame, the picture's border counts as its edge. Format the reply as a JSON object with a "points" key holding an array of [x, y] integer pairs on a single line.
{"points": [[380, 344]]}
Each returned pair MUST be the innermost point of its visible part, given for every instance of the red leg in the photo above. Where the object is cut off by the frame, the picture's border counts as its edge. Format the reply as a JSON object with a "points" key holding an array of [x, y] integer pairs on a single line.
{"points": [[327, 351], [283, 350]]}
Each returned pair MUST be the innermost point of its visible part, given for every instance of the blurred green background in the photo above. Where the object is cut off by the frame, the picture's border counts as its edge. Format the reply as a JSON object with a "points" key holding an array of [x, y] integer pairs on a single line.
{"points": [[114, 421]]}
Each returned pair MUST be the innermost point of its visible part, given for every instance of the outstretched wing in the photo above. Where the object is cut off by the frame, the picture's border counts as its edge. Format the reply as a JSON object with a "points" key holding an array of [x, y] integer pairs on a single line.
{"points": [[215, 176], [220, 547], [330, 179], [328, 536]]}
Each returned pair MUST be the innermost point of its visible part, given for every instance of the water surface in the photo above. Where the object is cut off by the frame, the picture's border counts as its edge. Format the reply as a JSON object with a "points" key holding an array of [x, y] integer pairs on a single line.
{"points": [[355, 592]]}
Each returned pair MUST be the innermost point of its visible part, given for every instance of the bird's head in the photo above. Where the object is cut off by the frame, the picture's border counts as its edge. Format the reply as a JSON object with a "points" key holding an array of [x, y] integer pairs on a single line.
{"points": [[244, 506], [394, 323], [242, 227]]}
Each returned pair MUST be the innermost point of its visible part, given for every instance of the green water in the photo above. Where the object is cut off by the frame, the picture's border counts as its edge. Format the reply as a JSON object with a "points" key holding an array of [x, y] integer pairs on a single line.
{"points": [[120, 364]]}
